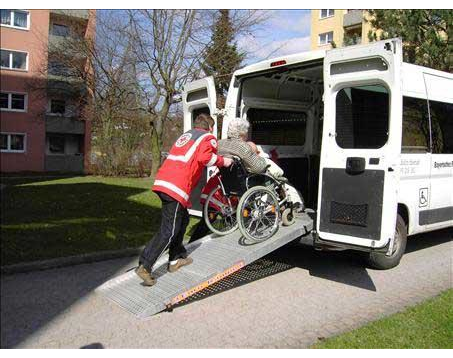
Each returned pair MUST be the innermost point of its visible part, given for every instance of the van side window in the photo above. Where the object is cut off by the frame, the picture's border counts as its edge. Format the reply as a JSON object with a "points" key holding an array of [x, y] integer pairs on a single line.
{"points": [[442, 126], [362, 117], [415, 126]]}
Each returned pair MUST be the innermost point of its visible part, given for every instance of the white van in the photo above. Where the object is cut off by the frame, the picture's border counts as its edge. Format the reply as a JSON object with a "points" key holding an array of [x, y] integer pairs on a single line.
{"points": [[366, 138]]}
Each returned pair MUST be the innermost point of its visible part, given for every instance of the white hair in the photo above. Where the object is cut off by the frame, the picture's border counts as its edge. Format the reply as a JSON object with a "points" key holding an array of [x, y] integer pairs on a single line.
{"points": [[238, 127]]}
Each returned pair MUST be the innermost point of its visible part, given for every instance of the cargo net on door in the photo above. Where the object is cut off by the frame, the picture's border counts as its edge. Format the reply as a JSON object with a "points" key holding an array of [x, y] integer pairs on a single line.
{"points": [[348, 214]]}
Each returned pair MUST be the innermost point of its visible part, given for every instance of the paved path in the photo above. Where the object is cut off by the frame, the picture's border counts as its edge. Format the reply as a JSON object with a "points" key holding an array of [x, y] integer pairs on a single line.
{"points": [[305, 295]]}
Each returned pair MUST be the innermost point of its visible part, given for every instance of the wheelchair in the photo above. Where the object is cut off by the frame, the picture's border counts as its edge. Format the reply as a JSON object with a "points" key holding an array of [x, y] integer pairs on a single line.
{"points": [[254, 203]]}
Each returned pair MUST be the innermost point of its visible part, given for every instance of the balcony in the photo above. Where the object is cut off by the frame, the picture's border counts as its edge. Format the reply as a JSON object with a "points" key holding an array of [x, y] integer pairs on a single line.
{"points": [[60, 41], [353, 18], [66, 86], [74, 13], [64, 163], [60, 124], [68, 44]]}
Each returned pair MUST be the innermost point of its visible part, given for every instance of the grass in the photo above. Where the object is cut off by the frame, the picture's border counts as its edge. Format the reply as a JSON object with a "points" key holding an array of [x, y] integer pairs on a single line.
{"points": [[43, 218], [426, 325]]}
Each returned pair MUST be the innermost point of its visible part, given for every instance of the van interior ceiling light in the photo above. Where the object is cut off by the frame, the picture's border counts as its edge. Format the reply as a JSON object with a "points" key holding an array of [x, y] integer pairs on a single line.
{"points": [[278, 63]]}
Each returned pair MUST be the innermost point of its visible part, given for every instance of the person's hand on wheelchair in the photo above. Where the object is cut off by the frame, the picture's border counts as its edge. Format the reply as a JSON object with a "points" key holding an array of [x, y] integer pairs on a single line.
{"points": [[231, 161], [227, 162]]}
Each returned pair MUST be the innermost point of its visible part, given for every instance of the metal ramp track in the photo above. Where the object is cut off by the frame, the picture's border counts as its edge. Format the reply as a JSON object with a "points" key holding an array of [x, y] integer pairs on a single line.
{"points": [[214, 259]]}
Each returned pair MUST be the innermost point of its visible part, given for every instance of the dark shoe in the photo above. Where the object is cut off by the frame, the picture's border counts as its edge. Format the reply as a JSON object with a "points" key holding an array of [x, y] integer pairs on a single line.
{"points": [[179, 263], [298, 208], [143, 273]]}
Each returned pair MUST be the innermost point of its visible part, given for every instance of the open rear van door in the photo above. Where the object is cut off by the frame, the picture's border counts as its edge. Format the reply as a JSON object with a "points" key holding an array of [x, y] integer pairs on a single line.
{"points": [[199, 97], [361, 145]]}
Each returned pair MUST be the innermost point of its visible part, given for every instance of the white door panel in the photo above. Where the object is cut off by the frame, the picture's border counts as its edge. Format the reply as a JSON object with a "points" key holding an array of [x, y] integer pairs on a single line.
{"points": [[361, 145], [199, 96]]}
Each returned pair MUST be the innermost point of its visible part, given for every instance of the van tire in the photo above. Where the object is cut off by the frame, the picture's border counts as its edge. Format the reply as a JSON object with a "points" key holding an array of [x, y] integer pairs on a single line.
{"points": [[381, 261]]}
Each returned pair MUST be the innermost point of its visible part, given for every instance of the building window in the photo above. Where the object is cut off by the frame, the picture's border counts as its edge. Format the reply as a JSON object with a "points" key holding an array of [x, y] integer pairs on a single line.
{"points": [[16, 102], [57, 106], [326, 13], [4, 100], [5, 59], [352, 37], [60, 30], [14, 60], [326, 38], [56, 144], [15, 18], [4, 142], [13, 142]]}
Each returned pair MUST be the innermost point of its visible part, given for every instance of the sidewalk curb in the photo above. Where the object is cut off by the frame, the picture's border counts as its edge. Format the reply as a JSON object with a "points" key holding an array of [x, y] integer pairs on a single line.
{"points": [[69, 261]]}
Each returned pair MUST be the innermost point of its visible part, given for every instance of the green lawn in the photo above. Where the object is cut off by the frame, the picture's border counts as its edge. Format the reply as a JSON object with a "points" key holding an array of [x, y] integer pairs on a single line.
{"points": [[47, 218], [427, 325]]}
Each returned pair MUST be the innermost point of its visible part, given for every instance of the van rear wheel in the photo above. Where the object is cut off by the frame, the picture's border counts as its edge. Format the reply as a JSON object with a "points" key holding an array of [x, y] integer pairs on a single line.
{"points": [[381, 261]]}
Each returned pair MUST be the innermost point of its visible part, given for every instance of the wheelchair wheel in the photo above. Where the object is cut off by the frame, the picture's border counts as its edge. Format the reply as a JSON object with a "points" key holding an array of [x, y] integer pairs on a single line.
{"points": [[220, 217], [258, 214], [288, 217]]}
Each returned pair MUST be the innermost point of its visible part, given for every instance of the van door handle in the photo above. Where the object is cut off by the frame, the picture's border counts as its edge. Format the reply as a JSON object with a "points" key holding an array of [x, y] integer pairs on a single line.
{"points": [[355, 165], [391, 169]]}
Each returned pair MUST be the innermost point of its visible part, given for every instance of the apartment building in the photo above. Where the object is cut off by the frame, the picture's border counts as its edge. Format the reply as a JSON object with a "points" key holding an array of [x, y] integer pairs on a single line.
{"points": [[343, 27], [41, 126]]}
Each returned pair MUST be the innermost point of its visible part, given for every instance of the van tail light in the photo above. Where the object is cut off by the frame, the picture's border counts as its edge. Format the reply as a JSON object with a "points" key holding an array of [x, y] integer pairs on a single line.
{"points": [[278, 63]]}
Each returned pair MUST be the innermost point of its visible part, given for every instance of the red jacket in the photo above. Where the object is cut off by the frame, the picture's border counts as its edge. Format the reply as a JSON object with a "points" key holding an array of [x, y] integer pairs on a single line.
{"points": [[182, 169]]}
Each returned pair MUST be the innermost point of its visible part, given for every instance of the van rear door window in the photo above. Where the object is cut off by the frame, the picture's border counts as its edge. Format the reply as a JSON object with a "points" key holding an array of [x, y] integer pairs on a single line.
{"points": [[362, 117]]}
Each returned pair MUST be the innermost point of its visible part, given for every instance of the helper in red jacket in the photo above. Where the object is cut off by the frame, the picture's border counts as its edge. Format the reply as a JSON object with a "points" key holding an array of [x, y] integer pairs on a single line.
{"points": [[201, 229], [176, 178]]}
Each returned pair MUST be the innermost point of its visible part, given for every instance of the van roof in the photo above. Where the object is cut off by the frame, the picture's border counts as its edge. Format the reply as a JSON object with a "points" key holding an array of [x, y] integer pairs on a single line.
{"points": [[412, 69], [290, 59], [318, 55]]}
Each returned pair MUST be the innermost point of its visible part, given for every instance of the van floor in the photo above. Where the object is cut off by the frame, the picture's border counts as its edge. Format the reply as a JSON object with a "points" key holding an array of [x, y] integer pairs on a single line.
{"points": [[303, 174]]}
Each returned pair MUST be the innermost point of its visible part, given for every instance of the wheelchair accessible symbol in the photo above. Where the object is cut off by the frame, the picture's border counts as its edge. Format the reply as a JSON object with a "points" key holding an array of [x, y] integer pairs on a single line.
{"points": [[423, 197]]}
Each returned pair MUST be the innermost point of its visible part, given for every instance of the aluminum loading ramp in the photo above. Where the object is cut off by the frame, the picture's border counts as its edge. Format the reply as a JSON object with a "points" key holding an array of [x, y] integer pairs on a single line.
{"points": [[215, 257]]}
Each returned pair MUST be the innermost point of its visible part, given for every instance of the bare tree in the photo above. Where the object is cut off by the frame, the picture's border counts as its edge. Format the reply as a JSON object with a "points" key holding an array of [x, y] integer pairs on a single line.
{"points": [[169, 46], [164, 60], [137, 65]]}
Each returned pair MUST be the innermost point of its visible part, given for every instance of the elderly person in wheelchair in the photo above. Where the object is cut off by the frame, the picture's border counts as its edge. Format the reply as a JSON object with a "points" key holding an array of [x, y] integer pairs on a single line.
{"points": [[244, 196]]}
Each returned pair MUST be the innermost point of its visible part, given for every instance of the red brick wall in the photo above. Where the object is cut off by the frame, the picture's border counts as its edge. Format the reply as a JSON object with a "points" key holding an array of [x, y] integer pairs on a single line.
{"points": [[35, 42]]}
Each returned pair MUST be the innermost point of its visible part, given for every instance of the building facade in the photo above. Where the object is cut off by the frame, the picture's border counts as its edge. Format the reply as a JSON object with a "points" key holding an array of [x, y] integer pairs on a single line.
{"points": [[343, 27], [41, 126]]}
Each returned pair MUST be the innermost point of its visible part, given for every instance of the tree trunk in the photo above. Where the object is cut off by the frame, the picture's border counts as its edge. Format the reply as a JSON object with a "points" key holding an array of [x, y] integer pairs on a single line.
{"points": [[157, 131], [156, 146]]}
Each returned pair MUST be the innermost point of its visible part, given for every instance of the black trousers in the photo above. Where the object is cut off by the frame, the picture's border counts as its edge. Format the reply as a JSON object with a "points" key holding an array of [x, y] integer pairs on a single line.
{"points": [[175, 219], [200, 230]]}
